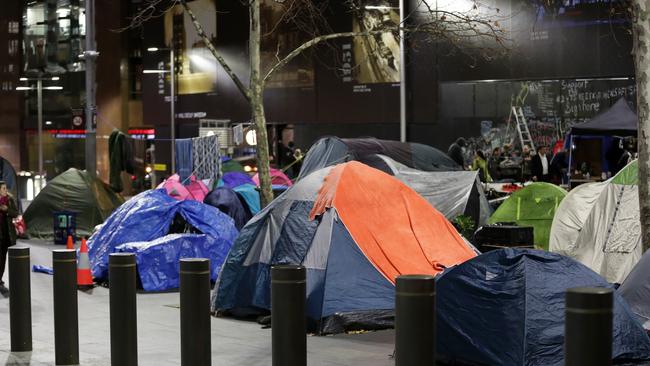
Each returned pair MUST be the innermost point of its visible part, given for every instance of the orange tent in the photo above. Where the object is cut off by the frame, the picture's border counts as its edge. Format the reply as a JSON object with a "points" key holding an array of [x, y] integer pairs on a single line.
{"points": [[355, 229], [399, 231]]}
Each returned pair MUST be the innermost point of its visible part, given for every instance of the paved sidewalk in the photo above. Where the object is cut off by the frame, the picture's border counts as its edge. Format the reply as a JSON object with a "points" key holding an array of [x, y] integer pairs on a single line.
{"points": [[233, 342]]}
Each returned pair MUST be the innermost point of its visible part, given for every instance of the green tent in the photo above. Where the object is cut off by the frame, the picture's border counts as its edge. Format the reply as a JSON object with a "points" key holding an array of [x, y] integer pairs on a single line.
{"points": [[73, 190], [232, 166], [534, 206]]}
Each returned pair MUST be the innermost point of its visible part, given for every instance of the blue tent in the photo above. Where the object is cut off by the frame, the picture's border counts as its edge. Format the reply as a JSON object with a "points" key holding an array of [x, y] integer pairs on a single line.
{"points": [[228, 202], [506, 307], [147, 217], [251, 196]]}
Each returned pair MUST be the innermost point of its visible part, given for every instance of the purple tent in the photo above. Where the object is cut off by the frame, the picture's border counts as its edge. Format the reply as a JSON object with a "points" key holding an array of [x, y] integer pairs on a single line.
{"points": [[236, 179]]}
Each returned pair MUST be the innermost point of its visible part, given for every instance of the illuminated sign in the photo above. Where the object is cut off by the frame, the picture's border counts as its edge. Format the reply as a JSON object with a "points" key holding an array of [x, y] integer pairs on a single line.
{"points": [[68, 134], [142, 133]]}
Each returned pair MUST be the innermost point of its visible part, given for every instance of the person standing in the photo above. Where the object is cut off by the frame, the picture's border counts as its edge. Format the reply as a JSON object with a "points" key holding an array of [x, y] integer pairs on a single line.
{"points": [[540, 166], [560, 168], [481, 165], [455, 151], [8, 211]]}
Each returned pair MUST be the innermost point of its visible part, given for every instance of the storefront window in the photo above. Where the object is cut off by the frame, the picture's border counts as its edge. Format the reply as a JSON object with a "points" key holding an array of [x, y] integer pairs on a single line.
{"points": [[53, 39]]}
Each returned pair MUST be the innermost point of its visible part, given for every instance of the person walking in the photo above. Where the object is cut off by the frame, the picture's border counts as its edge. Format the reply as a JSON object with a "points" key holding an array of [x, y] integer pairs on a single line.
{"points": [[8, 211]]}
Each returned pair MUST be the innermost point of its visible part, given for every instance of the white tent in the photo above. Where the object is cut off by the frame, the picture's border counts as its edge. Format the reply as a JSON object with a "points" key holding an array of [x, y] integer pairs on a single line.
{"points": [[598, 224]]}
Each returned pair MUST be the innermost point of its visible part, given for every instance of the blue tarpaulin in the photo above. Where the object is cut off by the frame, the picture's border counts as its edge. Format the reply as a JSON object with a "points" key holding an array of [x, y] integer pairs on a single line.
{"points": [[158, 260], [506, 307], [147, 217]]}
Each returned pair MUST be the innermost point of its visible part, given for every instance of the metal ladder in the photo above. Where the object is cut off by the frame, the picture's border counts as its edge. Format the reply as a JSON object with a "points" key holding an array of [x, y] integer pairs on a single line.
{"points": [[522, 128]]}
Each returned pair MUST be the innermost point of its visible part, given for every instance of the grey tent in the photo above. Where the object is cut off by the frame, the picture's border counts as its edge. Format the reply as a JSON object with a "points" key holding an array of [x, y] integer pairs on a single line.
{"points": [[636, 289], [75, 191], [452, 193]]}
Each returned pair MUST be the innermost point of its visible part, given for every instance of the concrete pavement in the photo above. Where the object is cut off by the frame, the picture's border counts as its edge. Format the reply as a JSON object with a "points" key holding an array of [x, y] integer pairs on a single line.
{"points": [[234, 342]]}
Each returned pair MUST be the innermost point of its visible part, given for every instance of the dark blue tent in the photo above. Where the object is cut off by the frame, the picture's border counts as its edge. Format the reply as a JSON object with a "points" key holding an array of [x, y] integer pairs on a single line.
{"points": [[229, 202], [331, 150], [8, 174], [619, 120], [506, 307], [149, 216]]}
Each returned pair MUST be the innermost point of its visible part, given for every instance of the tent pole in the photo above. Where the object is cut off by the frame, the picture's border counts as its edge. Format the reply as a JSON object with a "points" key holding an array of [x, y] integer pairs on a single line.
{"points": [[570, 160]]}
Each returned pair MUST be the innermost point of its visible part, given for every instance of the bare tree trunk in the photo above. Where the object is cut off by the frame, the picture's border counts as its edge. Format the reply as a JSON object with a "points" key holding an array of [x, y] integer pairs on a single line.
{"points": [[257, 103], [642, 64]]}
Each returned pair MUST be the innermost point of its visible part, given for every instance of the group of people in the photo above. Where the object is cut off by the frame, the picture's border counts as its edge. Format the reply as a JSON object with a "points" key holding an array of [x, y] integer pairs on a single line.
{"points": [[507, 163]]}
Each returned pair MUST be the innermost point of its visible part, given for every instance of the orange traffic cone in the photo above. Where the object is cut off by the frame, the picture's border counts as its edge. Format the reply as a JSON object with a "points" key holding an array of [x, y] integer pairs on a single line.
{"points": [[84, 277], [70, 245]]}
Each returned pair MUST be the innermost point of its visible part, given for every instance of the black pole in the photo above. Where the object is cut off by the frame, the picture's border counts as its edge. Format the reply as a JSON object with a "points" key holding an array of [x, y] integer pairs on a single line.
{"points": [[415, 320], [20, 302], [195, 312], [588, 326], [288, 318], [66, 320], [124, 330]]}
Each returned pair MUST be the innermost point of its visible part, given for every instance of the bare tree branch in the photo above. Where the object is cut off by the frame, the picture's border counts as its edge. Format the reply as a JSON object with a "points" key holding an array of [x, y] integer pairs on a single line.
{"points": [[300, 49], [151, 9]]}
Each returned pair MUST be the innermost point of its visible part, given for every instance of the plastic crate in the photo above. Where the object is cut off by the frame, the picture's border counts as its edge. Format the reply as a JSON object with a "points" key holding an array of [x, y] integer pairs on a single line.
{"points": [[65, 224]]}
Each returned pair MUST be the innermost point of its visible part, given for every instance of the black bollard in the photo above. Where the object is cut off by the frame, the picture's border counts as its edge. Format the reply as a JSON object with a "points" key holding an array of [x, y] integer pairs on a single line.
{"points": [[20, 301], [288, 317], [588, 326], [66, 320], [415, 320], [124, 330], [195, 312]]}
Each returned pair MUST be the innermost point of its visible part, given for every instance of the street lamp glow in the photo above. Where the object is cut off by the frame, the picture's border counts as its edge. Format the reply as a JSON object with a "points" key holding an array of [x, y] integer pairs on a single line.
{"points": [[55, 78], [380, 7], [53, 87], [154, 71], [20, 88], [23, 79], [48, 122], [152, 49]]}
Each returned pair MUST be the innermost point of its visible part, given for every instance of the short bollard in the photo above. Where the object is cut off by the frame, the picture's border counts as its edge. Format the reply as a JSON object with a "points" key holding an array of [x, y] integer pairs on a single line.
{"points": [[588, 326], [122, 290], [415, 320], [288, 318], [195, 312], [66, 321], [20, 302]]}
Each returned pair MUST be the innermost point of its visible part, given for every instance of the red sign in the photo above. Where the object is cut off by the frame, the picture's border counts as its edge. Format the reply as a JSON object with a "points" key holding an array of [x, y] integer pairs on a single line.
{"points": [[142, 131]]}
